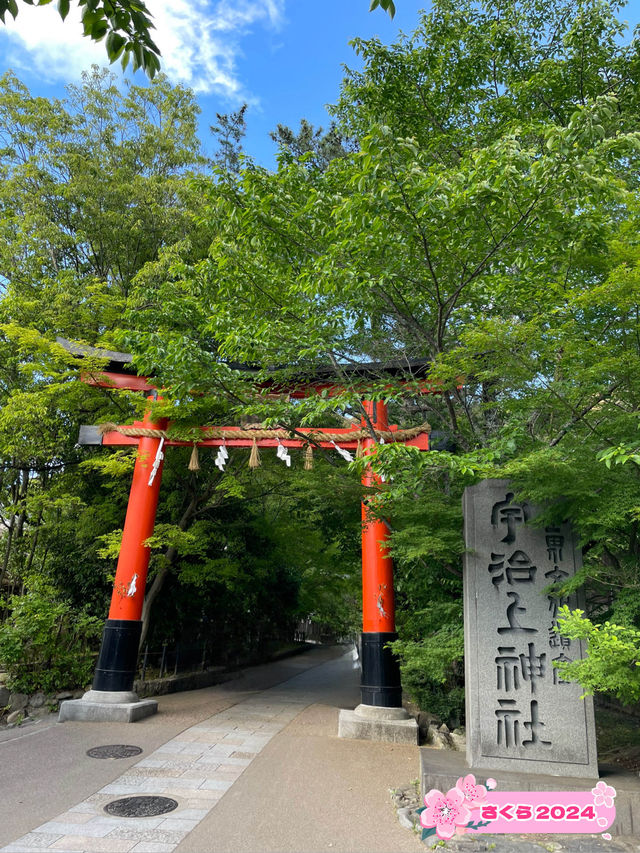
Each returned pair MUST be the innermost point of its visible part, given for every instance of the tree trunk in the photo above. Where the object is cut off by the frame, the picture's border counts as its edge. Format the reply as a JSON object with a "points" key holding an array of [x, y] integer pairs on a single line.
{"points": [[7, 552], [16, 522], [158, 581]]}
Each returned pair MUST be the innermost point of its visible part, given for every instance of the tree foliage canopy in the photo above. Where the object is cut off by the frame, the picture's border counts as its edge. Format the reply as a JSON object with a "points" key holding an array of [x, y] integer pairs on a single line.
{"points": [[127, 25], [473, 207], [97, 199], [485, 223]]}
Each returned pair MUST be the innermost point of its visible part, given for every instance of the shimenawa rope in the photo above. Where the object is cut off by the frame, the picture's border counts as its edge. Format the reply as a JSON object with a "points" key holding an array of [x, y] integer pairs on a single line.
{"points": [[255, 434], [254, 457]]}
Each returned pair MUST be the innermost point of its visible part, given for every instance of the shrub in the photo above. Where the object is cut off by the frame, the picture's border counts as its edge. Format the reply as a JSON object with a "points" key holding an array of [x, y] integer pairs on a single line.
{"points": [[433, 672], [613, 662], [46, 644]]}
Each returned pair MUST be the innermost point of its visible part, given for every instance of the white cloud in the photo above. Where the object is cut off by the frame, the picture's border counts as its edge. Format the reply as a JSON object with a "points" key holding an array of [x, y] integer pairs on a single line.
{"points": [[200, 41]]}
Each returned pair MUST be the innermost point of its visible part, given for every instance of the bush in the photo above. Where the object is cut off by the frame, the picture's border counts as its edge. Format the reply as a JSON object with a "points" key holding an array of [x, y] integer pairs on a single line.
{"points": [[613, 662], [45, 644], [433, 672]]}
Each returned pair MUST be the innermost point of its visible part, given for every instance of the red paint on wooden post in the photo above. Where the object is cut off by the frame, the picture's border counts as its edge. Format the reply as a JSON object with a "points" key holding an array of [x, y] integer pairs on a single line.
{"points": [[133, 562], [378, 605]]}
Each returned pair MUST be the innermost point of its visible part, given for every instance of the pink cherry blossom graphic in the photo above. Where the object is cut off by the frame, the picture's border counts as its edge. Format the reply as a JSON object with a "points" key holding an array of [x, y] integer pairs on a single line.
{"points": [[491, 784], [603, 794], [474, 795], [606, 836], [445, 812]]}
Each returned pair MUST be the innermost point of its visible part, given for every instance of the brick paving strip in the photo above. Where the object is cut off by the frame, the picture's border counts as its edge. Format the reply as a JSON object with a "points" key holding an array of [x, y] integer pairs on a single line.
{"points": [[195, 768]]}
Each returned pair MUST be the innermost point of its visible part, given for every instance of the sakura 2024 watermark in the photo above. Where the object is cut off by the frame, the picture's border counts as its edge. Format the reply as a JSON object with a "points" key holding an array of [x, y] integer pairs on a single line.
{"points": [[481, 809]]}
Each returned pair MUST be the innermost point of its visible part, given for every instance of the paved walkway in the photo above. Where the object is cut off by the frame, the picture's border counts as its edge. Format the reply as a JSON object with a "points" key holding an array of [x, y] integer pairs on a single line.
{"points": [[252, 776], [255, 766]]}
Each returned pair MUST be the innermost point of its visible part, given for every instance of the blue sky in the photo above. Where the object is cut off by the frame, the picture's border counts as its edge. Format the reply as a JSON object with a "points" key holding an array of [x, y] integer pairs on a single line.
{"points": [[283, 57]]}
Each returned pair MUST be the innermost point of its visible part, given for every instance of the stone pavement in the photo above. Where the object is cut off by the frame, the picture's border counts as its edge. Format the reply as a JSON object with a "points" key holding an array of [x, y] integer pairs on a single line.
{"points": [[196, 767], [203, 769], [44, 766], [253, 767]]}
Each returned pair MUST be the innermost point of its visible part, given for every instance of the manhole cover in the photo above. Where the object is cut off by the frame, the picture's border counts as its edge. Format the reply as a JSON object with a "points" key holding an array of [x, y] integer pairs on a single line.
{"points": [[141, 806], [115, 750]]}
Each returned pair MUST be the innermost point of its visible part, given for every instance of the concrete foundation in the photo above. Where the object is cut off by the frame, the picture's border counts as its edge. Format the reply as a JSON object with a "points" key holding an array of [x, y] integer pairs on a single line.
{"points": [[102, 706], [369, 722]]}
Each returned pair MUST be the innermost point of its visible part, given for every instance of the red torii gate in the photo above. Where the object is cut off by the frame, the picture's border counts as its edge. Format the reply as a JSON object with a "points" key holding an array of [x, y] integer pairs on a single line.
{"points": [[117, 661]]}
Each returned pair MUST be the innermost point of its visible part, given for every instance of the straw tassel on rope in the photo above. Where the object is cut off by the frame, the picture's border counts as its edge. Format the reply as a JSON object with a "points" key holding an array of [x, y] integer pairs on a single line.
{"points": [[194, 462], [254, 456], [359, 451], [308, 458]]}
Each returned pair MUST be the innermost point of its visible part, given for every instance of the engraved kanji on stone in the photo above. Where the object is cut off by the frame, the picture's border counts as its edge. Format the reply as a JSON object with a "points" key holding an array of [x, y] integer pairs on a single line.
{"points": [[508, 513], [508, 733], [512, 668], [519, 569], [507, 668], [557, 678], [555, 541], [534, 726], [533, 666], [514, 610], [556, 575]]}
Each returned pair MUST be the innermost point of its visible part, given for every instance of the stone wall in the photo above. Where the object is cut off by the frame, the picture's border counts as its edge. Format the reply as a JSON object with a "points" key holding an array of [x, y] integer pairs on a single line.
{"points": [[16, 707], [186, 681]]}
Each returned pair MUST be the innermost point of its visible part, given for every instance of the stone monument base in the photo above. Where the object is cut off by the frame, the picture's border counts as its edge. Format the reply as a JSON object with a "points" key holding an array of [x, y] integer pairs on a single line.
{"points": [[103, 706], [369, 722], [441, 769]]}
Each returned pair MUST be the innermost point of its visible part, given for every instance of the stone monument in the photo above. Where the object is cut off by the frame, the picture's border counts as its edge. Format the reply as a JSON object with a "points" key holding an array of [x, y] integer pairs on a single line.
{"points": [[521, 715]]}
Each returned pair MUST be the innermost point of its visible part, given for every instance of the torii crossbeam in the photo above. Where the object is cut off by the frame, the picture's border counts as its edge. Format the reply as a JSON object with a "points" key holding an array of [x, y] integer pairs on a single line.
{"points": [[117, 662]]}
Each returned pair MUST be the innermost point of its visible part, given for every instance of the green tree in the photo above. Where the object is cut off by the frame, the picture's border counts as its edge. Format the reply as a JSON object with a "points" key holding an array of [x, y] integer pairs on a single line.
{"points": [[318, 148], [387, 5], [230, 131], [46, 643], [90, 190], [486, 224], [126, 24], [613, 656], [96, 205]]}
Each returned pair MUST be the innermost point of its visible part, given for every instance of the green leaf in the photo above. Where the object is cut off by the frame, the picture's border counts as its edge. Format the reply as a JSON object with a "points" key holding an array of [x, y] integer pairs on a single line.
{"points": [[387, 5], [115, 45]]}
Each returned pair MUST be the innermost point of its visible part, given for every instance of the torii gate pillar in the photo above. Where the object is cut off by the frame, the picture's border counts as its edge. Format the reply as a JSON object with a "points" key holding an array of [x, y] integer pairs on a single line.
{"points": [[380, 685], [111, 698], [380, 716]]}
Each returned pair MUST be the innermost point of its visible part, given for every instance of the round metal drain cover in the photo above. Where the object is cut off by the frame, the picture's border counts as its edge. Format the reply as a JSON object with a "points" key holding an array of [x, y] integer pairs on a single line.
{"points": [[115, 750], [141, 806]]}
